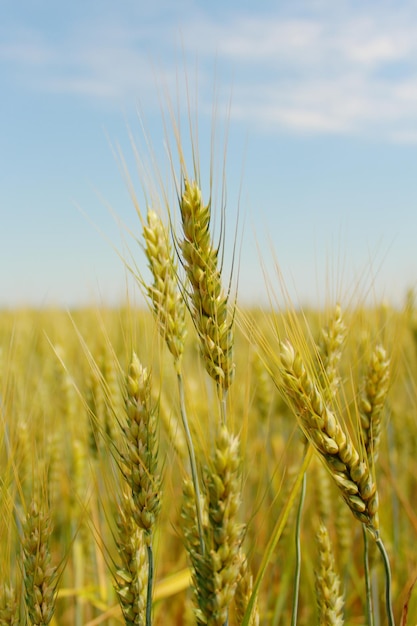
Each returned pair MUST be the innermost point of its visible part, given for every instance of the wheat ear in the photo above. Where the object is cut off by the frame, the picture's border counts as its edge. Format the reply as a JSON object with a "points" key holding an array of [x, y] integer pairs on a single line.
{"points": [[169, 309], [330, 350], [372, 399], [216, 572], [330, 353], [9, 607], [329, 599], [141, 460], [168, 305], [209, 303], [244, 590], [371, 403], [40, 577], [131, 577], [351, 475]]}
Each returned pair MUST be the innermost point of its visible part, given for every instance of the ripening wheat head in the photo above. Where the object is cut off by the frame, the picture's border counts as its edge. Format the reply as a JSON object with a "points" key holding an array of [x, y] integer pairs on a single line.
{"points": [[209, 303]]}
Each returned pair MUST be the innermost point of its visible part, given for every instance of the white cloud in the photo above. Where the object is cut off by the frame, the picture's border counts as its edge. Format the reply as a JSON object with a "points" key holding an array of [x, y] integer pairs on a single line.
{"points": [[347, 71]]}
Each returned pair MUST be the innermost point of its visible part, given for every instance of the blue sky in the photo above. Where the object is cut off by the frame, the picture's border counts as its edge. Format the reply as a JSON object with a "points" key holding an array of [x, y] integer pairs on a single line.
{"points": [[320, 99]]}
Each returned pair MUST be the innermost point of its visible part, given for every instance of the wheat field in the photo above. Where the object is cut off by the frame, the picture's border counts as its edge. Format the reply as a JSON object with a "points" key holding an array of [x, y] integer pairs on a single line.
{"points": [[192, 462]]}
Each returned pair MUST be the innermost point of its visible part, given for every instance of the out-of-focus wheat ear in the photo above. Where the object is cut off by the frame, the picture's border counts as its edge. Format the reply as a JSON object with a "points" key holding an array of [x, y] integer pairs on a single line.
{"points": [[330, 350], [96, 408], [208, 301], [287, 532], [202, 581], [191, 530], [40, 577], [329, 598], [263, 393], [113, 400], [372, 400], [335, 446], [322, 492], [83, 547], [22, 456], [173, 429], [189, 523], [167, 301], [344, 536], [9, 606], [132, 576], [243, 593]]}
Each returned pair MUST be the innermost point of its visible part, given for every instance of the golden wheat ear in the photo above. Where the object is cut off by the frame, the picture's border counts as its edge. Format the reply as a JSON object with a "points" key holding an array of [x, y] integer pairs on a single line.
{"points": [[334, 445], [131, 578], [372, 401], [329, 598], [9, 606], [141, 457], [216, 571], [40, 576], [168, 305], [138, 514], [208, 302]]}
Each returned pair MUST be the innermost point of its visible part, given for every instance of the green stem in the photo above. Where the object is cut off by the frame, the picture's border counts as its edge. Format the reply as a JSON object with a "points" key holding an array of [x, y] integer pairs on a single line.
{"points": [[193, 464], [297, 574], [388, 592], [150, 582], [369, 607]]}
